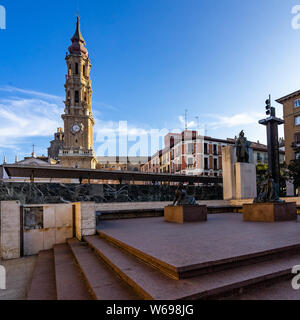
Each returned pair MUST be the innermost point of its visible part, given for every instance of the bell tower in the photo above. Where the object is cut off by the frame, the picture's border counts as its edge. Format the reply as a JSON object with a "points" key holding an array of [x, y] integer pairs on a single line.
{"points": [[77, 151]]}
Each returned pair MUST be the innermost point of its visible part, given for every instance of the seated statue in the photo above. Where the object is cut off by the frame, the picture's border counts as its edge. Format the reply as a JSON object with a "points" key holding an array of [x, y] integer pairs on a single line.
{"points": [[268, 192], [181, 197]]}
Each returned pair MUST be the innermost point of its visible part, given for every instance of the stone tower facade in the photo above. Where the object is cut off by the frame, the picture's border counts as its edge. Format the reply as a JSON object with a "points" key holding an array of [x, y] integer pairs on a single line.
{"points": [[56, 144], [77, 151]]}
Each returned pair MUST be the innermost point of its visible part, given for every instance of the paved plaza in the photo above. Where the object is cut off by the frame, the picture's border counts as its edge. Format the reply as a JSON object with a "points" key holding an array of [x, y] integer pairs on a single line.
{"points": [[223, 236], [19, 274]]}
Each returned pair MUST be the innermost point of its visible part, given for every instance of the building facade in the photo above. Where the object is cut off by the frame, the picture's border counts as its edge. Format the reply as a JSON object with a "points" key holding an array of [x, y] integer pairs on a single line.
{"points": [[193, 154], [291, 114], [122, 163], [56, 145]]}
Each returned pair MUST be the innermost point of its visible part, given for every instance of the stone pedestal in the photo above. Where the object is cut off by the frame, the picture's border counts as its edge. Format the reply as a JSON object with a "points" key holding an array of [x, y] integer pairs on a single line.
{"points": [[182, 214], [245, 181], [239, 179], [270, 212], [290, 189]]}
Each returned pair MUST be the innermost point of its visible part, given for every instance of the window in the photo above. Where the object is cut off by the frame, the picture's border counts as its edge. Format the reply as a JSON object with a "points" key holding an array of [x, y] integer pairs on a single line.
{"points": [[215, 164], [190, 148], [190, 162], [297, 103], [297, 138], [76, 96], [259, 158], [205, 163], [205, 148], [84, 71], [76, 68], [215, 150], [297, 121]]}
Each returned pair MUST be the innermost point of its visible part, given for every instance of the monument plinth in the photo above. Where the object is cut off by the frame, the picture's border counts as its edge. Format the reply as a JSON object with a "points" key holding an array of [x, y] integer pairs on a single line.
{"points": [[270, 212], [239, 170], [245, 180], [186, 213], [268, 207]]}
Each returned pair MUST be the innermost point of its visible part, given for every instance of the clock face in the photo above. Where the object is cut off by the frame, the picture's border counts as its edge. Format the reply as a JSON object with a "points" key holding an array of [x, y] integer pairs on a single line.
{"points": [[76, 128]]}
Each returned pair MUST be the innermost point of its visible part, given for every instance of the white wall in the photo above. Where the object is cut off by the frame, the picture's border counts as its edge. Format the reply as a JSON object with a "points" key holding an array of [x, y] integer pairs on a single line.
{"points": [[58, 227], [10, 230]]}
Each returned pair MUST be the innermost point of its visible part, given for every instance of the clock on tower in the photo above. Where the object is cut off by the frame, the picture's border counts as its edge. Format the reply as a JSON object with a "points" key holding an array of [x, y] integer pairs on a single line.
{"points": [[77, 151]]}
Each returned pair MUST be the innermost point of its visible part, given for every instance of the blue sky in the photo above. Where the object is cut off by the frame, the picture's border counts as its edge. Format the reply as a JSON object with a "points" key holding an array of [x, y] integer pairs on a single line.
{"points": [[151, 60]]}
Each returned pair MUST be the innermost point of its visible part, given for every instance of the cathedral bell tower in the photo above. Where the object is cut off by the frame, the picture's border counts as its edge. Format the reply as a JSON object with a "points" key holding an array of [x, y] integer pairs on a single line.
{"points": [[77, 151]]}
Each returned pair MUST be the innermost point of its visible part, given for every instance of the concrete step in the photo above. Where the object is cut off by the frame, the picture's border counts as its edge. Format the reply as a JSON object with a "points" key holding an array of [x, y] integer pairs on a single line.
{"points": [[194, 270], [281, 290], [150, 283], [43, 282], [102, 281], [70, 284]]}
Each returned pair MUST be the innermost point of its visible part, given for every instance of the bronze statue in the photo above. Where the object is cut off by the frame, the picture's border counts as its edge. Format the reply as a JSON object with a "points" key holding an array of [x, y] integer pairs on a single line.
{"points": [[267, 191], [181, 197], [242, 148]]}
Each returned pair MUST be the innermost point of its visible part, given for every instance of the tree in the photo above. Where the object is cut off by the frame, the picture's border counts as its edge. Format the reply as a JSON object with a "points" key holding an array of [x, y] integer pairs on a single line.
{"points": [[294, 172]]}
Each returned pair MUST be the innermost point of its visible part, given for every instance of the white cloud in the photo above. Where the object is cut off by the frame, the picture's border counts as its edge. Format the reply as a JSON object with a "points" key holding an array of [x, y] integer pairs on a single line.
{"points": [[31, 93], [235, 120], [27, 117]]}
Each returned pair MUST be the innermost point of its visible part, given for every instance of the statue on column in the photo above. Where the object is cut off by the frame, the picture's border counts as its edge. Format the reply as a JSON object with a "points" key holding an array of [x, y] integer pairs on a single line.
{"points": [[242, 148]]}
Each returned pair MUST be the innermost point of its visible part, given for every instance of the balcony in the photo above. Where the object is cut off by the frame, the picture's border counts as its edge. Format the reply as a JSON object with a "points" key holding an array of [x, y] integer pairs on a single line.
{"points": [[296, 145]]}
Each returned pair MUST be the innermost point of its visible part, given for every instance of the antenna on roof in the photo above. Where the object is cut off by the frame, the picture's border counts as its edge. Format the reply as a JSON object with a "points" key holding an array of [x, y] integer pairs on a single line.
{"points": [[198, 123], [206, 131], [186, 119], [33, 152]]}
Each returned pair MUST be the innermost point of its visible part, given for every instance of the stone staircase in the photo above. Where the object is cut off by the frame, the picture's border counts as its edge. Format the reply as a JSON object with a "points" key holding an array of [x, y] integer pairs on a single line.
{"points": [[103, 269]]}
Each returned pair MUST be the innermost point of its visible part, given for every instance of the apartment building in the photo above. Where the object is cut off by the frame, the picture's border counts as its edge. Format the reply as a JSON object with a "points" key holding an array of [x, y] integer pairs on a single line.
{"points": [[189, 153], [291, 114]]}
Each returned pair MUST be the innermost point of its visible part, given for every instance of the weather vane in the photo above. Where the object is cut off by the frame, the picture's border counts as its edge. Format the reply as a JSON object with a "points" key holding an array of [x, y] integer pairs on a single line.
{"points": [[77, 9]]}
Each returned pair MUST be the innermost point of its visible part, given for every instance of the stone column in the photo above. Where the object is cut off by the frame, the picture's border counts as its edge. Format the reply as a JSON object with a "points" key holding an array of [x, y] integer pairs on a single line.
{"points": [[85, 219], [10, 232]]}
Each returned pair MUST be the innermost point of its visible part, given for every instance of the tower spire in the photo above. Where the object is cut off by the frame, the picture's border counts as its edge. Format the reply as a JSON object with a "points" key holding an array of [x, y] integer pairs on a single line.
{"points": [[78, 42], [77, 35]]}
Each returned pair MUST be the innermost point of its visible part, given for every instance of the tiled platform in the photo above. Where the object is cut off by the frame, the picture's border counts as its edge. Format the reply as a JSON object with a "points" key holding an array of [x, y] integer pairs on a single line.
{"points": [[151, 205], [224, 238]]}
